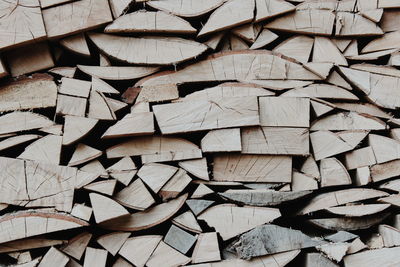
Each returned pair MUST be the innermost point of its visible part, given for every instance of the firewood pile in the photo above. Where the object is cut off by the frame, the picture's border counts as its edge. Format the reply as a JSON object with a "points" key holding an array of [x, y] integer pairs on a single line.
{"points": [[207, 133]]}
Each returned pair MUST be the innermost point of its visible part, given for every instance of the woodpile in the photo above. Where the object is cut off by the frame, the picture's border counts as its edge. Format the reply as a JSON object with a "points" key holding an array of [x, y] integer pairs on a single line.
{"points": [[204, 133]]}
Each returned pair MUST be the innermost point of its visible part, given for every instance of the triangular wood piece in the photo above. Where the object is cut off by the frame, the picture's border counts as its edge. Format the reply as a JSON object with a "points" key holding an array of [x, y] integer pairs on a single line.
{"points": [[320, 107], [198, 205], [380, 257], [76, 44], [112, 242], [150, 22], [105, 187], [77, 245], [82, 212], [119, 7], [302, 182], [348, 121], [310, 168], [334, 251], [336, 79], [196, 167], [179, 239], [95, 257], [105, 209], [264, 38], [227, 219], [266, 9], [22, 121], [333, 173], [324, 91], [297, 47], [247, 32], [385, 149], [224, 140], [326, 51], [137, 250], [358, 210], [164, 254], [95, 166], [317, 259], [158, 93], [322, 69], [201, 191], [83, 153], [101, 86], [187, 221], [76, 128], [115, 105], [178, 182], [155, 175], [359, 158], [206, 249], [64, 71], [132, 124], [351, 24], [135, 196], [99, 108], [174, 50], [47, 149]]}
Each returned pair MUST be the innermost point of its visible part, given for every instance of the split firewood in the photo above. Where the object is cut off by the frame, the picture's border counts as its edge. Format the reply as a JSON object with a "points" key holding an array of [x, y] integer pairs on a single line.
{"points": [[84, 153], [105, 209], [187, 221], [190, 8], [206, 248], [113, 242], [77, 245], [17, 140], [52, 256], [323, 91], [117, 73], [333, 173], [385, 256], [95, 257], [76, 44], [317, 259], [224, 140], [105, 187], [176, 184], [297, 47], [22, 121], [164, 254], [137, 250], [179, 239], [334, 251], [197, 206], [358, 210], [76, 128], [82, 212], [349, 223]]}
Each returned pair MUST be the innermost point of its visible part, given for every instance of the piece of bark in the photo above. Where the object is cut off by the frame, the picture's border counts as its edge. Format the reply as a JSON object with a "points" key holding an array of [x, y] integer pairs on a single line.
{"points": [[196, 167], [137, 250], [113, 242], [197, 206], [106, 209], [341, 197], [135, 196], [270, 239], [179, 239], [76, 44], [206, 249], [318, 260], [74, 87], [83, 153], [201, 115], [22, 121], [385, 170], [75, 17], [155, 175], [360, 158], [236, 13], [284, 111], [105, 187], [175, 50], [326, 143], [81, 211], [252, 168], [311, 21], [228, 90], [156, 149], [358, 210], [165, 255], [77, 245], [29, 243], [333, 173], [324, 91], [147, 219], [68, 72], [260, 64], [187, 221], [99, 107], [116, 72], [266, 9], [132, 125], [349, 223], [275, 141], [95, 257], [70, 105], [53, 255], [348, 121], [262, 197], [36, 223], [76, 127], [150, 22], [230, 220], [264, 38], [178, 182], [298, 47], [20, 23], [29, 59], [47, 149], [223, 140], [17, 140], [40, 91]]}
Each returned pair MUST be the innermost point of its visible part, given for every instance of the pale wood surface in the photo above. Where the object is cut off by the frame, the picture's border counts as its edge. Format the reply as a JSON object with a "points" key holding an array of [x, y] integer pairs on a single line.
{"points": [[348, 121], [53, 255], [101, 86], [76, 128], [333, 173], [297, 47], [83, 153], [95, 257], [186, 8], [22, 121], [137, 250], [206, 249], [360, 158], [70, 105], [223, 140], [266, 9], [179, 239], [117, 73], [105, 209], [76, 17], [76, 44], [77, 245], [385, 170], [46, 149], [48, 3], [172, 49], [264, 38], [187, 221], [131, 125], [197, 206], [323, 91], [378, 257], [17, 140], [178, 182], [29, 243], [358, 210], [155, 175], [82, 212], [75, 87], [135, 196], [275, 141], [196, 167], [119, 7], [230, 220], [20, 24], [385, 149], [165, 255], [106, 187], [158, 93], [99, 107], [252, 168], [113, 242]]}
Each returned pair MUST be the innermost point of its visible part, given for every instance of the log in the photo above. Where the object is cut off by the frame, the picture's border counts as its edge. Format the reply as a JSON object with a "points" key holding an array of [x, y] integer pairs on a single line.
{"points": [[197, 206], [83, 153], [101, 86], [40, 222], [385, 149], [75, 17], [119, 7], [266, 9], [49, 3], [106, 187], [318, 260], [247, 32], [137, 250], [269, 239], [147, 219], [158, 93], [132, 124], [334, 251], [385, 170], [360, 158], [82, 212], [150, 22], [99, 107], [262, 197], [20, 24], [46, 149], [323, 91], [74, 87], [190, 116], [70, 105], [275, 141], [178, 182], [64, 71], [174, 50], [230, 220], [17, 140], [196, 167], [264, 38], [358, 210]]}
